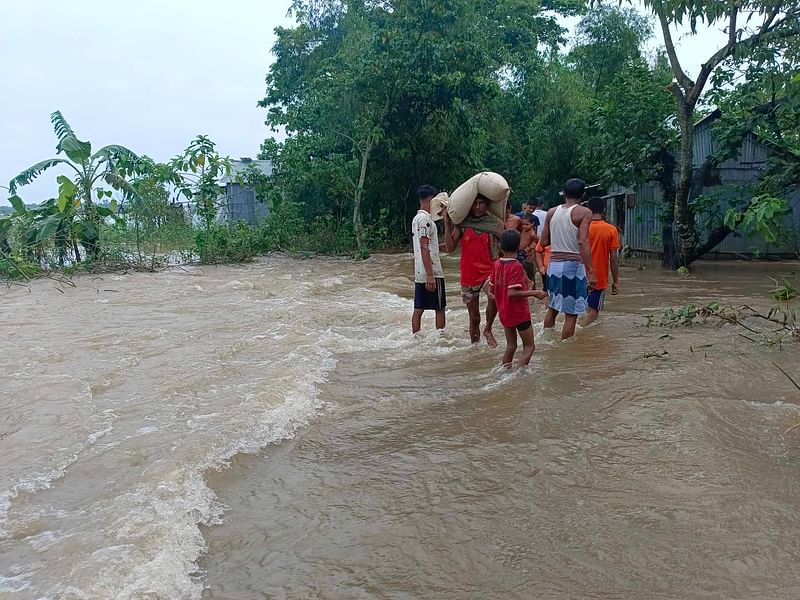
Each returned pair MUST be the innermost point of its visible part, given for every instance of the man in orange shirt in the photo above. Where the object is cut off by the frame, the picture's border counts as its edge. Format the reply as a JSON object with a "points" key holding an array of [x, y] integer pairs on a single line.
{"points": [[604, 242]]}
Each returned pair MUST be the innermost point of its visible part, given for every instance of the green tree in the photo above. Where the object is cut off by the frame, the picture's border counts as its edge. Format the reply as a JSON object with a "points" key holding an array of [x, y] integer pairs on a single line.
{"points": [[753, 27], [377, 97], [633, 137], [608, 39], [147, 204], [199, 170], [762, 98], [89, 170]]}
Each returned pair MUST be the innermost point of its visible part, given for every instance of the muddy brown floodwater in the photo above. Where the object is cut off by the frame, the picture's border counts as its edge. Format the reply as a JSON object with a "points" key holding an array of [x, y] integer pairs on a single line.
{"points": [[274, 431]]}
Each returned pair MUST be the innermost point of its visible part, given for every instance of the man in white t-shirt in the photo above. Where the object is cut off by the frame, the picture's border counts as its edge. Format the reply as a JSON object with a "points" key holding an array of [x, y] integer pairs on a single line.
{"points": [[541, 215], [429, 293]]}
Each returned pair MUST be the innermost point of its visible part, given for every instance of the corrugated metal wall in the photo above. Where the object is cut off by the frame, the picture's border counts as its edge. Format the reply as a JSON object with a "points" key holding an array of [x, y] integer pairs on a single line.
{"points": [[642, 228], [751, 154], [243, 206]]}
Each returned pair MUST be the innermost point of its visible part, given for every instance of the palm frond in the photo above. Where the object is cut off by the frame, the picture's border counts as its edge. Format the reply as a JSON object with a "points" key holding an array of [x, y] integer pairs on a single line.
{"points": [[31, 173], [60, 125], [116, 181], [68, 142], [113, 151]]}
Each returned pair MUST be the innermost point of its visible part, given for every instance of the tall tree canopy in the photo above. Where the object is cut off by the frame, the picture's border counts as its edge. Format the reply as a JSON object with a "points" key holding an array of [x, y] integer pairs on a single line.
{"points": [[378, 96], [755, 28]]}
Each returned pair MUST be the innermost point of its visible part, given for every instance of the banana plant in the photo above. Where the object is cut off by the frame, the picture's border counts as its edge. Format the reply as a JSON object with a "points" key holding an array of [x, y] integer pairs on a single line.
{"points": [[91, 170]]}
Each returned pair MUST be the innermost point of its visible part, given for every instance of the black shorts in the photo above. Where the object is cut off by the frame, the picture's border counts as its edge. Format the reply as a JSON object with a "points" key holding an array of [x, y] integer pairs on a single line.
{"points": [[525, 325], [425, 300]]}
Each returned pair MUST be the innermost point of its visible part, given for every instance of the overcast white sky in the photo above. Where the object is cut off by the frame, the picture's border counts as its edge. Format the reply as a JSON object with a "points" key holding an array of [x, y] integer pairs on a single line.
{"points": [[149, 74]]}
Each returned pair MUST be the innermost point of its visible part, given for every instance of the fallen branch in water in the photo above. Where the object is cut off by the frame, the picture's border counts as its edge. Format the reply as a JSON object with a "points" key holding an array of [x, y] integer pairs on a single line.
{"points": [[783, 320], [789, 377], [795, 384]]}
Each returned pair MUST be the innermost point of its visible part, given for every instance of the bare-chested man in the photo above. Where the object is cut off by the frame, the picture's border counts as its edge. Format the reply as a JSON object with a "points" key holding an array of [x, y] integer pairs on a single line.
{"points": [[512, 221], [570, 274]]}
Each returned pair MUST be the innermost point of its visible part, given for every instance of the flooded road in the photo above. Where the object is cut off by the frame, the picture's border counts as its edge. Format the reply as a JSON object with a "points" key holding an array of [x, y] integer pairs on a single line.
{"points": [[273, 430]]}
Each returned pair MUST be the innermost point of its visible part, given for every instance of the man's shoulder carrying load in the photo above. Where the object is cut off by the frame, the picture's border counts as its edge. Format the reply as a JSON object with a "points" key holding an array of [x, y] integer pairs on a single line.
{"points": [[491, 185]]}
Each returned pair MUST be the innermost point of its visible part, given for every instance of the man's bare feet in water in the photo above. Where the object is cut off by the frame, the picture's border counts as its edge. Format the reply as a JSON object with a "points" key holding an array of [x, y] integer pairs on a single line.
{"points": [[490, 341]]}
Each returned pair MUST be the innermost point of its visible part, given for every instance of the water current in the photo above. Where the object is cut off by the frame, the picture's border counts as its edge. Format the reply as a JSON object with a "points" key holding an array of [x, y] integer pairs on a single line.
{"points": [[273, 430]]}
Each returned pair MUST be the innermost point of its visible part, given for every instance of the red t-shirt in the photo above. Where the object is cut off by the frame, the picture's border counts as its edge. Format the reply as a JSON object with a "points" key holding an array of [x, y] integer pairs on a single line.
{"points": [[508, 273], [476, 258], [603, 237]]}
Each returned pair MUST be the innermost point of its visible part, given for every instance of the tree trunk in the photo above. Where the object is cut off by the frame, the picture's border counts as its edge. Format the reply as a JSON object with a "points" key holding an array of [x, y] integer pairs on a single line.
{"points": [[666, 180], [358, 227], [684, 220], [91, 241]]}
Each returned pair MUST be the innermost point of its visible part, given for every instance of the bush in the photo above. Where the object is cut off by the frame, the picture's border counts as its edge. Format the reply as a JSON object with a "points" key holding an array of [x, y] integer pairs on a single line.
{"points": [[14, 266], [285, 229], [327, 235], [221, 243]]}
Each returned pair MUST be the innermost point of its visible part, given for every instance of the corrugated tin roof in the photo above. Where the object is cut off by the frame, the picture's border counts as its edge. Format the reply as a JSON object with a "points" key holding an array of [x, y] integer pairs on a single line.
{"points": [[709, 118]]}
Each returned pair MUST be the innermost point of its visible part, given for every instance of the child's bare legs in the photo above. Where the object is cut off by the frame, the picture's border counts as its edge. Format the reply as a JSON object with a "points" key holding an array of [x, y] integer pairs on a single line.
{"points": [[550, 318], [569, 326], [416, 319], [527, 347], [440, 320], [474, 312], [491, 313], [511, 345]]}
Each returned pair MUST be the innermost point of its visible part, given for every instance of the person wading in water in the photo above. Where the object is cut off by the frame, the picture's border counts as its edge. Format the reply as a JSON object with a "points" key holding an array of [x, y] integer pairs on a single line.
{"points": [[478, 236], [570, 274], [604, 242], [429, 292]]}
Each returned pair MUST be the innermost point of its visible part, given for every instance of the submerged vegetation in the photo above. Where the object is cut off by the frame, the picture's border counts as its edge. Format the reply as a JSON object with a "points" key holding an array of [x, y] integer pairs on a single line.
{"points": [[378, 97], [778, 324]]}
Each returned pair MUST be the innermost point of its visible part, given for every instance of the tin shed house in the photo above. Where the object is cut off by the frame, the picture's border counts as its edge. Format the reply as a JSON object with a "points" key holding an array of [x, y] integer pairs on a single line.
{"points": [[636, 210], [240, 202]]}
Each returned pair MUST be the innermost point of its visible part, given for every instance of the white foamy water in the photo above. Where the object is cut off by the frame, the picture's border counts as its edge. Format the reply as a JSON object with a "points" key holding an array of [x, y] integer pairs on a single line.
{"points": [[117, 407], [120, 406]]}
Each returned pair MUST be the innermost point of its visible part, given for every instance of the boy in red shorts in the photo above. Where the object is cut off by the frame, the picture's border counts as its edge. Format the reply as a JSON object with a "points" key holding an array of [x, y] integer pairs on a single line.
{"points": [[509, 286]]}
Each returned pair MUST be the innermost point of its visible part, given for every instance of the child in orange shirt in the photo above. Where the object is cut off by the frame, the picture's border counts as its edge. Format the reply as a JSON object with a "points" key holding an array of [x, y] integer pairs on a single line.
{"points": [[542, 255], [604, 242]]}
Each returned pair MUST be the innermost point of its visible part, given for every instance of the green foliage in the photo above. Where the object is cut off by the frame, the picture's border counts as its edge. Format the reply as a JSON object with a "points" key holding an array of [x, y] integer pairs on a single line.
{"points": [[785, 292], [757, 30], [222, 243], [633, 132], [764, 216], [779, 325], [284, 229], [200, 169], [287, 231], [760, 99], [609, 38], [74, 217], [377, 98], [252, 177], [15, 266]]}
